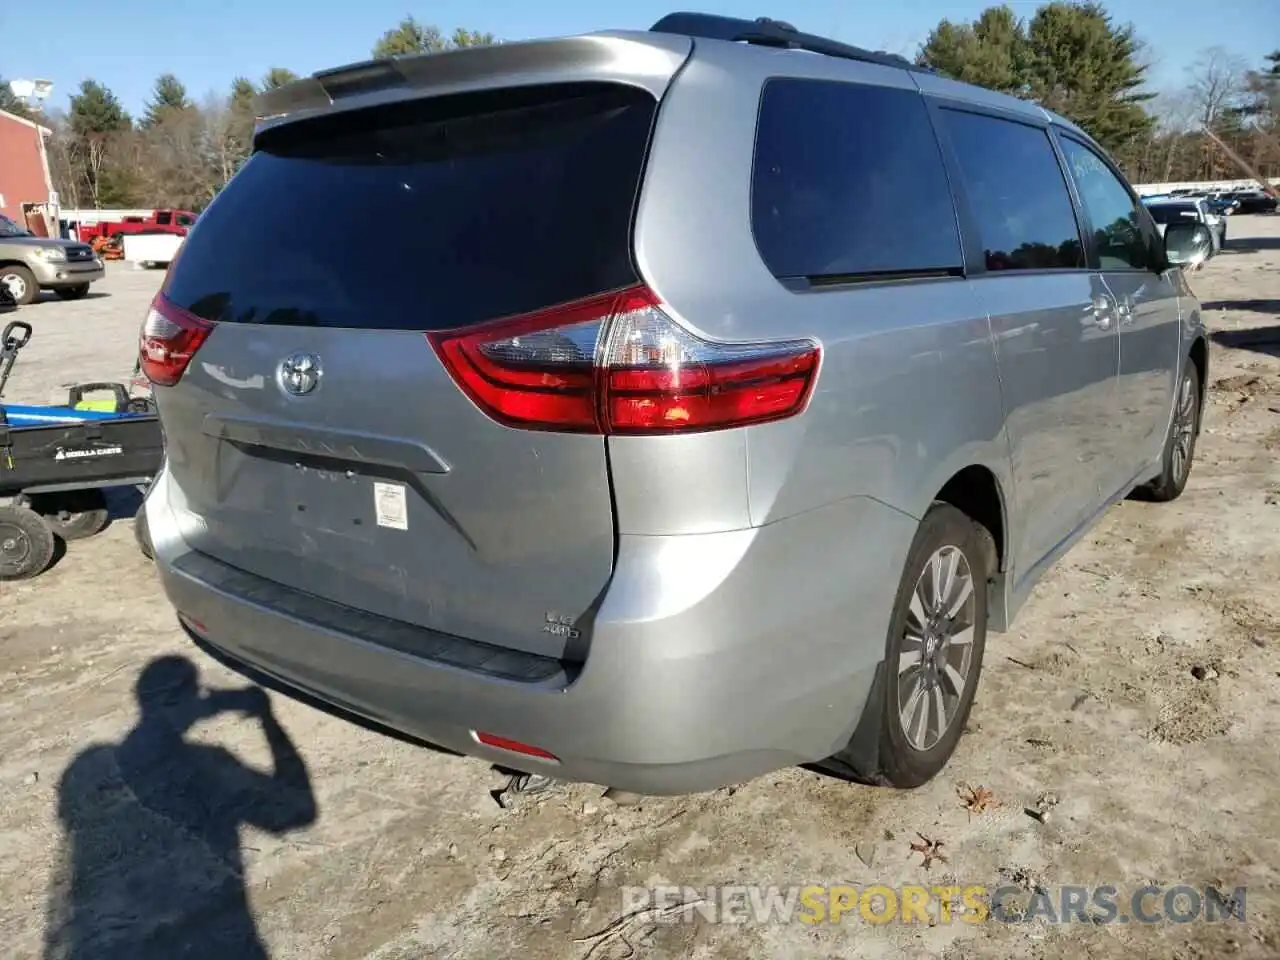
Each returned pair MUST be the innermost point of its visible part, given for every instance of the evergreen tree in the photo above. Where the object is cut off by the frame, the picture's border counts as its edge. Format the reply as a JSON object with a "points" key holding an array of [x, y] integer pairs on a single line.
{"points": [[278, 77], [410, 36], [1070, 57], [96, 110], [168, 97]]}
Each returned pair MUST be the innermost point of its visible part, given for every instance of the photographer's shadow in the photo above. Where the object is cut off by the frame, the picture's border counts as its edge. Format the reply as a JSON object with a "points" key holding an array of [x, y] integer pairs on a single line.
{"points": [[152, 866]]}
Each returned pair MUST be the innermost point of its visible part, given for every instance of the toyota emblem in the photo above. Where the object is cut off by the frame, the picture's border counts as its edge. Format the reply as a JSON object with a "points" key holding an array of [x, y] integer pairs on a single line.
{"points": [[299, 374]]}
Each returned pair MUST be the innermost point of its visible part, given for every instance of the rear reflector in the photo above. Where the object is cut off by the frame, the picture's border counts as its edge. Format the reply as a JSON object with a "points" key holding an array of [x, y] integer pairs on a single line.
{"points": [[515, 746], [192, 623], [170, 338], [619, 364]]}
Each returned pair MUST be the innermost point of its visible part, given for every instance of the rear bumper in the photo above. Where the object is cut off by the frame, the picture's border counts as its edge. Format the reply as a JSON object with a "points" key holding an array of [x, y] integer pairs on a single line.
{"points": [[714, 658]]}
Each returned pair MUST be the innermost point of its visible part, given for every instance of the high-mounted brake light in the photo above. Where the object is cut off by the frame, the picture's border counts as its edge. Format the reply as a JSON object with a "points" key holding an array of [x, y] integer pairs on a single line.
{"points": [[618, 364], [170, 338]]}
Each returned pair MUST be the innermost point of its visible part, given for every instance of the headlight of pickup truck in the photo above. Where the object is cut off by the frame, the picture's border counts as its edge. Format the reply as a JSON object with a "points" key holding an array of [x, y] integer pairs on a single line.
{"points": [[50, 254]]}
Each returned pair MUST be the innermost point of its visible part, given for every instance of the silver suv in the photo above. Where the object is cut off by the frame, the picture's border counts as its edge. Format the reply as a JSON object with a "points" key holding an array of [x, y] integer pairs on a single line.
{"points": [[705, 396], [29, 264]]}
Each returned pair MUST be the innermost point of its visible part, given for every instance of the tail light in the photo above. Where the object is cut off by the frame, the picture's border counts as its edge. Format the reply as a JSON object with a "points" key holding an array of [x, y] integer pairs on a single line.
{"points": [[170, 337], [618, 364]]}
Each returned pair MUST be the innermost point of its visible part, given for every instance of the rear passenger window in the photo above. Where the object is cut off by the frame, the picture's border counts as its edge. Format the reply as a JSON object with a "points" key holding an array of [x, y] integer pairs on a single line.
{"points": [[849, 182], [1113, 213], [1017, 193]]}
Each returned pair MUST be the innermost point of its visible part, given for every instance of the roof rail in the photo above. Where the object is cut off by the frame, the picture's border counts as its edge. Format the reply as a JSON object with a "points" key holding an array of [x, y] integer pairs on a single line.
{"points": [[773, 33]]}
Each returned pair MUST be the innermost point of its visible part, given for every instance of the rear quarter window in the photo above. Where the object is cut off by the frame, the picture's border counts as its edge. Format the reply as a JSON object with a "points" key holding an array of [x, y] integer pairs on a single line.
{"points": [[848, 182]]}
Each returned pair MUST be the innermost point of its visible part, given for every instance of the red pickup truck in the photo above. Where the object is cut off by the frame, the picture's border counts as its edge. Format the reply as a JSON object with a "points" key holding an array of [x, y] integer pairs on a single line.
{"points": [[160, 221]]}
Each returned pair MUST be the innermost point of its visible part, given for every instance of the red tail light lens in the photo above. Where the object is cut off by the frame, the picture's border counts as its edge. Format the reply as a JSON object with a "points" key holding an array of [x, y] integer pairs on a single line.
{"points": [[170, 338], [619, 364]]}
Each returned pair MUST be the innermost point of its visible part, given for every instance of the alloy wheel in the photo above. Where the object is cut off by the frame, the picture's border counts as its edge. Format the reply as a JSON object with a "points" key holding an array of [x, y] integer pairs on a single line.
{"points": [[1184, 423], [936, 657]]}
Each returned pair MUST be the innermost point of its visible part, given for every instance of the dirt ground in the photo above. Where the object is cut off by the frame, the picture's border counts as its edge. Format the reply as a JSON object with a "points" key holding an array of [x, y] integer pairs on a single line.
{"points": [[1140, 690]]}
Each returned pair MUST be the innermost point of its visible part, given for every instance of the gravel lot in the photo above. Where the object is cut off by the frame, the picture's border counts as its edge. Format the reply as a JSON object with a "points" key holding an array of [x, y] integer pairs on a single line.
{"points": [[1140, 690]]}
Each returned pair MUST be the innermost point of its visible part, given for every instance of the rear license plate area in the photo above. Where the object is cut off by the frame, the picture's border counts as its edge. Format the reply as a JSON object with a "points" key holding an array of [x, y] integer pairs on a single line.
{"points": [[333, 501]]}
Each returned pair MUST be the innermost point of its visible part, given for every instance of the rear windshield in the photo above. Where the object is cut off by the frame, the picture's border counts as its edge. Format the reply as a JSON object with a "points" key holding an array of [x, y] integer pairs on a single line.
{"points": [[1173, 212], [435, 215]]}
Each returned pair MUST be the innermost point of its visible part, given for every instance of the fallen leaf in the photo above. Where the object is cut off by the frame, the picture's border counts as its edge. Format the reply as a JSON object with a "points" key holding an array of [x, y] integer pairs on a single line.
{"points": [[977, 801], [929, 850]]}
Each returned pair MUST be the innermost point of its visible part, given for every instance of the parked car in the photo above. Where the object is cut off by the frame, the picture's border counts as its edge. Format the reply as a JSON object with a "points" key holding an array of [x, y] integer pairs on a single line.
{"points": [[1189, 209], [1222, 204], [718, 409], [29, 264], [1253, 201]]}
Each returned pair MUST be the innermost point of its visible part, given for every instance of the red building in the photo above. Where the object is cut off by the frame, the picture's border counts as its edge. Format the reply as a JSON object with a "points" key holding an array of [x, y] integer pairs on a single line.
{"points": [[24, 166]]}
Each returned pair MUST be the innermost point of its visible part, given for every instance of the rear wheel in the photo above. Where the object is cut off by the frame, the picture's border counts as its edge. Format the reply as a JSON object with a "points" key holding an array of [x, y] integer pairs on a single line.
{"points": [[74, 515], [933, 654], [21, 283], [78, 292], [1180, 444], [26, 543]]}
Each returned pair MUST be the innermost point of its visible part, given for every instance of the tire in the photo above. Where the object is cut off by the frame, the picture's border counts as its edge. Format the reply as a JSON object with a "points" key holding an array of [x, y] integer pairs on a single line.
{"points": [[26, 544], [1180, 444], [78, 292], [900, 756], [142, 533], [74, 515], [18, 278]]}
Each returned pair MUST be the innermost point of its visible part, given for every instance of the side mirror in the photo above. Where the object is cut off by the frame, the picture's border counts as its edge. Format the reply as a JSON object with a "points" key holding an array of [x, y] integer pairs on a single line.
{"points": [[1187, 244]]}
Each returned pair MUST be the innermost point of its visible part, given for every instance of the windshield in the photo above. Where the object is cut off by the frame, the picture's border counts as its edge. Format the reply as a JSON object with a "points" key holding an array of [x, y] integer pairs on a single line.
{"points": [[10, 229]]}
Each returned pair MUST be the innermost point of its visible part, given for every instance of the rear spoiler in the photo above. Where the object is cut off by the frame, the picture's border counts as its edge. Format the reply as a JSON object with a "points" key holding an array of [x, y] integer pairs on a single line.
{"points": [[644, 59]]}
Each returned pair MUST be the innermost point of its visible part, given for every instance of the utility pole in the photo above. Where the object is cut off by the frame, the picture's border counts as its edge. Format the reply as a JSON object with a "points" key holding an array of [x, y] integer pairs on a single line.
{"points": [[1240, 162]]}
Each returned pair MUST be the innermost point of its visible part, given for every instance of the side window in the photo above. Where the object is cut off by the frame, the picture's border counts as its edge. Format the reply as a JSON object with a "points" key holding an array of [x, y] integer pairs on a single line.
{"points": [[1117, 228], [848, 181], [162, 218], [1017, 192], [184, 220]]}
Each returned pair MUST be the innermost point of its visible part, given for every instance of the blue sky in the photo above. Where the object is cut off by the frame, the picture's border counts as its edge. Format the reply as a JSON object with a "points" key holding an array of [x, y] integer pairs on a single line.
{"points": [[126, 43]]}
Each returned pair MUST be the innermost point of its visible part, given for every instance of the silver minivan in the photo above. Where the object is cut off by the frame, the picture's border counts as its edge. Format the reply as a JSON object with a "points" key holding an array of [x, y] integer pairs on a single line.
{"points": [[657, 408]]}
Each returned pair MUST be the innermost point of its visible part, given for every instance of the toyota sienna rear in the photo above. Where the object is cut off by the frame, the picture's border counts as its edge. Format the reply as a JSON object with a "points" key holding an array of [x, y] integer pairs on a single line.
{"points": [[537, 401]]}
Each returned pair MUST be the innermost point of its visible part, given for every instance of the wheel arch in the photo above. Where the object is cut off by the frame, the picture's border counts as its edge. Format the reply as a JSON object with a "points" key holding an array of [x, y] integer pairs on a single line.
{"points": [[976, 491], [1199, 355]]}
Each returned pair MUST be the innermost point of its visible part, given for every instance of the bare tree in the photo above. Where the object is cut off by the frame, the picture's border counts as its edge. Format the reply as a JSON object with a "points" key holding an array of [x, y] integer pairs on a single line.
{"points": [[93, 160], [1176, 119], [174, 160], [65, 166], [229, 136], [1216, 82]]}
